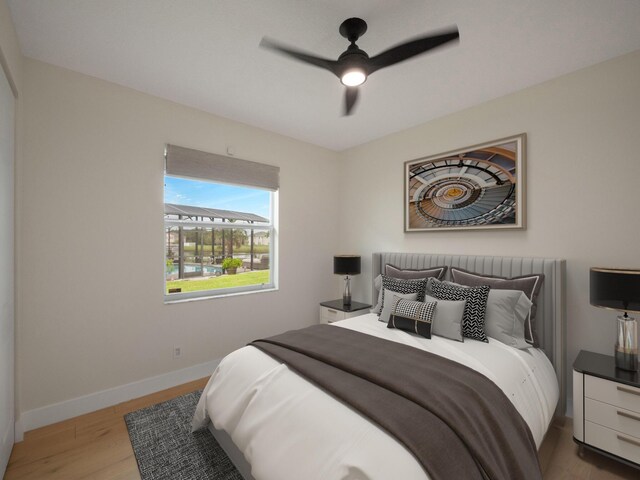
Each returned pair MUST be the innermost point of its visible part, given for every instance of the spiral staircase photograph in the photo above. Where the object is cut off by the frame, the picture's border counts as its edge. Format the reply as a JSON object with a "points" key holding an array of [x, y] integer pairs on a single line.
{"points": [[475, 188]]}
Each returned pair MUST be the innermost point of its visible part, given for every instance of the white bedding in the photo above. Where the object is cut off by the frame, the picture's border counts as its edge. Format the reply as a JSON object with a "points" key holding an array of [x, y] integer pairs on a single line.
{"points": [[289, 429]]}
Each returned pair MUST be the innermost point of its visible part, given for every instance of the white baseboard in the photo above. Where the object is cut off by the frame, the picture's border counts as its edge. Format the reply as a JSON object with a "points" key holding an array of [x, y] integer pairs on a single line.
{"points": [[57, 412]]}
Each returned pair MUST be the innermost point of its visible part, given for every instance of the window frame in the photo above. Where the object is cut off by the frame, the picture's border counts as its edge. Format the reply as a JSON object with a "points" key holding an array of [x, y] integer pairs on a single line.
{"points": [[271, 227]]}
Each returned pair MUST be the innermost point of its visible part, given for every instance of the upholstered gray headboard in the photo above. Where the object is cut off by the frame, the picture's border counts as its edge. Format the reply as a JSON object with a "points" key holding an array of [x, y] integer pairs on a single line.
{"points": [[550, 317]]}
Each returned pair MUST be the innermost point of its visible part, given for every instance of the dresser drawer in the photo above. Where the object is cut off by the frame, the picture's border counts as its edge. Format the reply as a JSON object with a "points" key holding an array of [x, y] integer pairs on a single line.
{"points": [[616, 394], [613, 417], [330, 315], [625, 446]]}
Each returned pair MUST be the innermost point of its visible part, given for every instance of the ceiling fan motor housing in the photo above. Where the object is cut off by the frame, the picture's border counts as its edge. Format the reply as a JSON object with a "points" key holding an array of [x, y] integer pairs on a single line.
{"points": [[353, 58], [353, 28]]}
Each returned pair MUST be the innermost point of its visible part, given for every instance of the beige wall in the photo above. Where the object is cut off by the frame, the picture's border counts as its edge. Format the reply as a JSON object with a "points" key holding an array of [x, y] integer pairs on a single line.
{"points": [[91, 256], [583, 191]]}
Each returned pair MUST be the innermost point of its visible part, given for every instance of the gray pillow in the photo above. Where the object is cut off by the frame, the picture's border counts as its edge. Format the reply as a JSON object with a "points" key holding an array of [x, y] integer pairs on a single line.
{"points": [[377, 284], [447, 319], [505, 318], [410, 274], [390, 296], [529, 284]]}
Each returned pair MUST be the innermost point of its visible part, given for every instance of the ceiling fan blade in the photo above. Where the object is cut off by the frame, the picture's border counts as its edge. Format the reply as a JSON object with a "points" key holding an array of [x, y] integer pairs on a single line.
{"points": [[350, 99], [410, 49], [298, 55]]}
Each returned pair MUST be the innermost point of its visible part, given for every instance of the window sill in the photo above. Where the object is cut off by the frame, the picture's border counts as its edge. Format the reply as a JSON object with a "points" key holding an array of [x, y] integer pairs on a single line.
{"points": [[171, 300]]}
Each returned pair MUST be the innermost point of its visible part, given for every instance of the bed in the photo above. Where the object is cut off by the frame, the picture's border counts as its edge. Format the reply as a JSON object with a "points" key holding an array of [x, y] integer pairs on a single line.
{"points": [[259, 410]]}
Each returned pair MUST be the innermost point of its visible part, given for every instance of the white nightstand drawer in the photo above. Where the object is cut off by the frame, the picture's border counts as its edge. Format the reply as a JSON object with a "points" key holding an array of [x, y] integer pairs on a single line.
{"points": [[330, 315], [625, 446], [617, 394], [613, 417]]}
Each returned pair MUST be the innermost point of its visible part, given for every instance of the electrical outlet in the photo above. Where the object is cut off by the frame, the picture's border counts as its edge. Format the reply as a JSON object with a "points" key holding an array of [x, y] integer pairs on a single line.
{"points": [[177, 351]]}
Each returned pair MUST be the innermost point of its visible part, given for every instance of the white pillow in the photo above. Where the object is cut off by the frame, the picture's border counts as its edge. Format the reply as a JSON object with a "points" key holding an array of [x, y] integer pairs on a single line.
{"points": [[505, 317], [390, 297]]}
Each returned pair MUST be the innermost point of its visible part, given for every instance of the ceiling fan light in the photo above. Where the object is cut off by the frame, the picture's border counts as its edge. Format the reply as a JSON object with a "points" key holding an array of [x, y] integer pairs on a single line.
{"points": [[353, 77]]}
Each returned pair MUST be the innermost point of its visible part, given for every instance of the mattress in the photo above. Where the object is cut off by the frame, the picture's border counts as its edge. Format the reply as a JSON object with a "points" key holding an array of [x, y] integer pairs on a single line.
{"points": [[287, 428]]}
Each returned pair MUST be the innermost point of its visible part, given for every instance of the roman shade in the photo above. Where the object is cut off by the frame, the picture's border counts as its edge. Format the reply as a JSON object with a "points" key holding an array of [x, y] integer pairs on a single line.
{"points": [[186, 162]]}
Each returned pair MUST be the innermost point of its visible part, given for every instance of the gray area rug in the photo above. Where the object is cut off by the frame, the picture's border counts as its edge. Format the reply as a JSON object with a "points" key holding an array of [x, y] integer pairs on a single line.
{"points": [[166, 449]]}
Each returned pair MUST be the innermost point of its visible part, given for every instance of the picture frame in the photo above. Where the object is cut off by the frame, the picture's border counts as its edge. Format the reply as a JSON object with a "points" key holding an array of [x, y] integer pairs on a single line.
{"points": [[481, 187]]}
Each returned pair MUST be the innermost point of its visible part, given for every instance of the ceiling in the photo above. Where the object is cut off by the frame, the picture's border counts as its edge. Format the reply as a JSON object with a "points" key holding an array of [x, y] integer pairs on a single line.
{"points": [[205, 54]]}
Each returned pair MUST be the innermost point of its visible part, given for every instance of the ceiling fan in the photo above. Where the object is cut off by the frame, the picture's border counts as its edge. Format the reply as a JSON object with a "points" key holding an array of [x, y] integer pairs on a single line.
{"points": [[354, 65]]}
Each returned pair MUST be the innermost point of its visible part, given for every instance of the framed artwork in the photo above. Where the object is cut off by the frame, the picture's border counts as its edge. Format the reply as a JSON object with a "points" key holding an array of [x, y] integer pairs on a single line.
{"points": [[478, 187]]}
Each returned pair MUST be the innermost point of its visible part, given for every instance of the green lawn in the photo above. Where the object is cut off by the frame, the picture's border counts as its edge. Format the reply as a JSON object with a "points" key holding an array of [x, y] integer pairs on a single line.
{"points": [[224, 281]]}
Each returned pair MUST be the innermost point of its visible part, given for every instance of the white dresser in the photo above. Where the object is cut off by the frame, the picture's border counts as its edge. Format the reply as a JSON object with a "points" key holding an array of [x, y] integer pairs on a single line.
{"points": [[334, 310], [606, 407]]}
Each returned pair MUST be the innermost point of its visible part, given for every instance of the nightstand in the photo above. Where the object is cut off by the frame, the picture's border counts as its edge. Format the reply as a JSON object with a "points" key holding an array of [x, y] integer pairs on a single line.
{"points": [[335, 310], [606, 408]]}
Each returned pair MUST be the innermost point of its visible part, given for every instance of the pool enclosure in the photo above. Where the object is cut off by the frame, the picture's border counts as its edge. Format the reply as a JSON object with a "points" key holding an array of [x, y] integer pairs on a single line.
{"points": [[198, 240]]}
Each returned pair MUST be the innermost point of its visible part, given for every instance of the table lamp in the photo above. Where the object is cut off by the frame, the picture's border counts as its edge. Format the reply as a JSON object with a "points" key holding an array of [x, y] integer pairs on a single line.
{"points": [[346, 265], [619, 289]]}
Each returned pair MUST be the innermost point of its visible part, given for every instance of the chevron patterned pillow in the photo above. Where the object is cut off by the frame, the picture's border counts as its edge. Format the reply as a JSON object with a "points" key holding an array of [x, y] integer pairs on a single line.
{"points": [[474, 309]]}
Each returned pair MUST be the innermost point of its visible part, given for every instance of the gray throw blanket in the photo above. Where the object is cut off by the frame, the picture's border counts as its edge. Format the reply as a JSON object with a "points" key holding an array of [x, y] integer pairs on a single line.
{"points": [[456, 422]]}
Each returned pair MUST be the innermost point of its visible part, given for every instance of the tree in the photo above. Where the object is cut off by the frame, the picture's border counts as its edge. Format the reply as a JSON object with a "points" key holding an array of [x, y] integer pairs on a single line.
{"points": [[239, 237]]}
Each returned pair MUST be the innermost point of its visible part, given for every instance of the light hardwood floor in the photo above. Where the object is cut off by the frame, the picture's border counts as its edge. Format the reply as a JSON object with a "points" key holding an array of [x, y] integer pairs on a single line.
{"points": [[96, 446]]}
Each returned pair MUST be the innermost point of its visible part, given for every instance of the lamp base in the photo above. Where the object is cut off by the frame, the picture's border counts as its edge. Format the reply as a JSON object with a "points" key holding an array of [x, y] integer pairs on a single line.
{"points": [[346, 296], [626, 352], [626, 361]]}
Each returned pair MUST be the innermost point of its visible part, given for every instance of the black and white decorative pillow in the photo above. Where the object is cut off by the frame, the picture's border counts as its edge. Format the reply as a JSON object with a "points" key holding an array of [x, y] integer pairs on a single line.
{"points": [[388, 305], [404, 274], [412, 316], [403, 286], [474, 309]]}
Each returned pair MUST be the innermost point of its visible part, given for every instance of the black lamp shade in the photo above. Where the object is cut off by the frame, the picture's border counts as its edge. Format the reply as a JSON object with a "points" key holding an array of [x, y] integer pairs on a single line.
{"points": [[346, 264], [617, 289]]}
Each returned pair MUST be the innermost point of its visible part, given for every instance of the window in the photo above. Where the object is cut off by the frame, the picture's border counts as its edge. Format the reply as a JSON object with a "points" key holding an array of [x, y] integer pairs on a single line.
{"points": [[220, 238]]}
